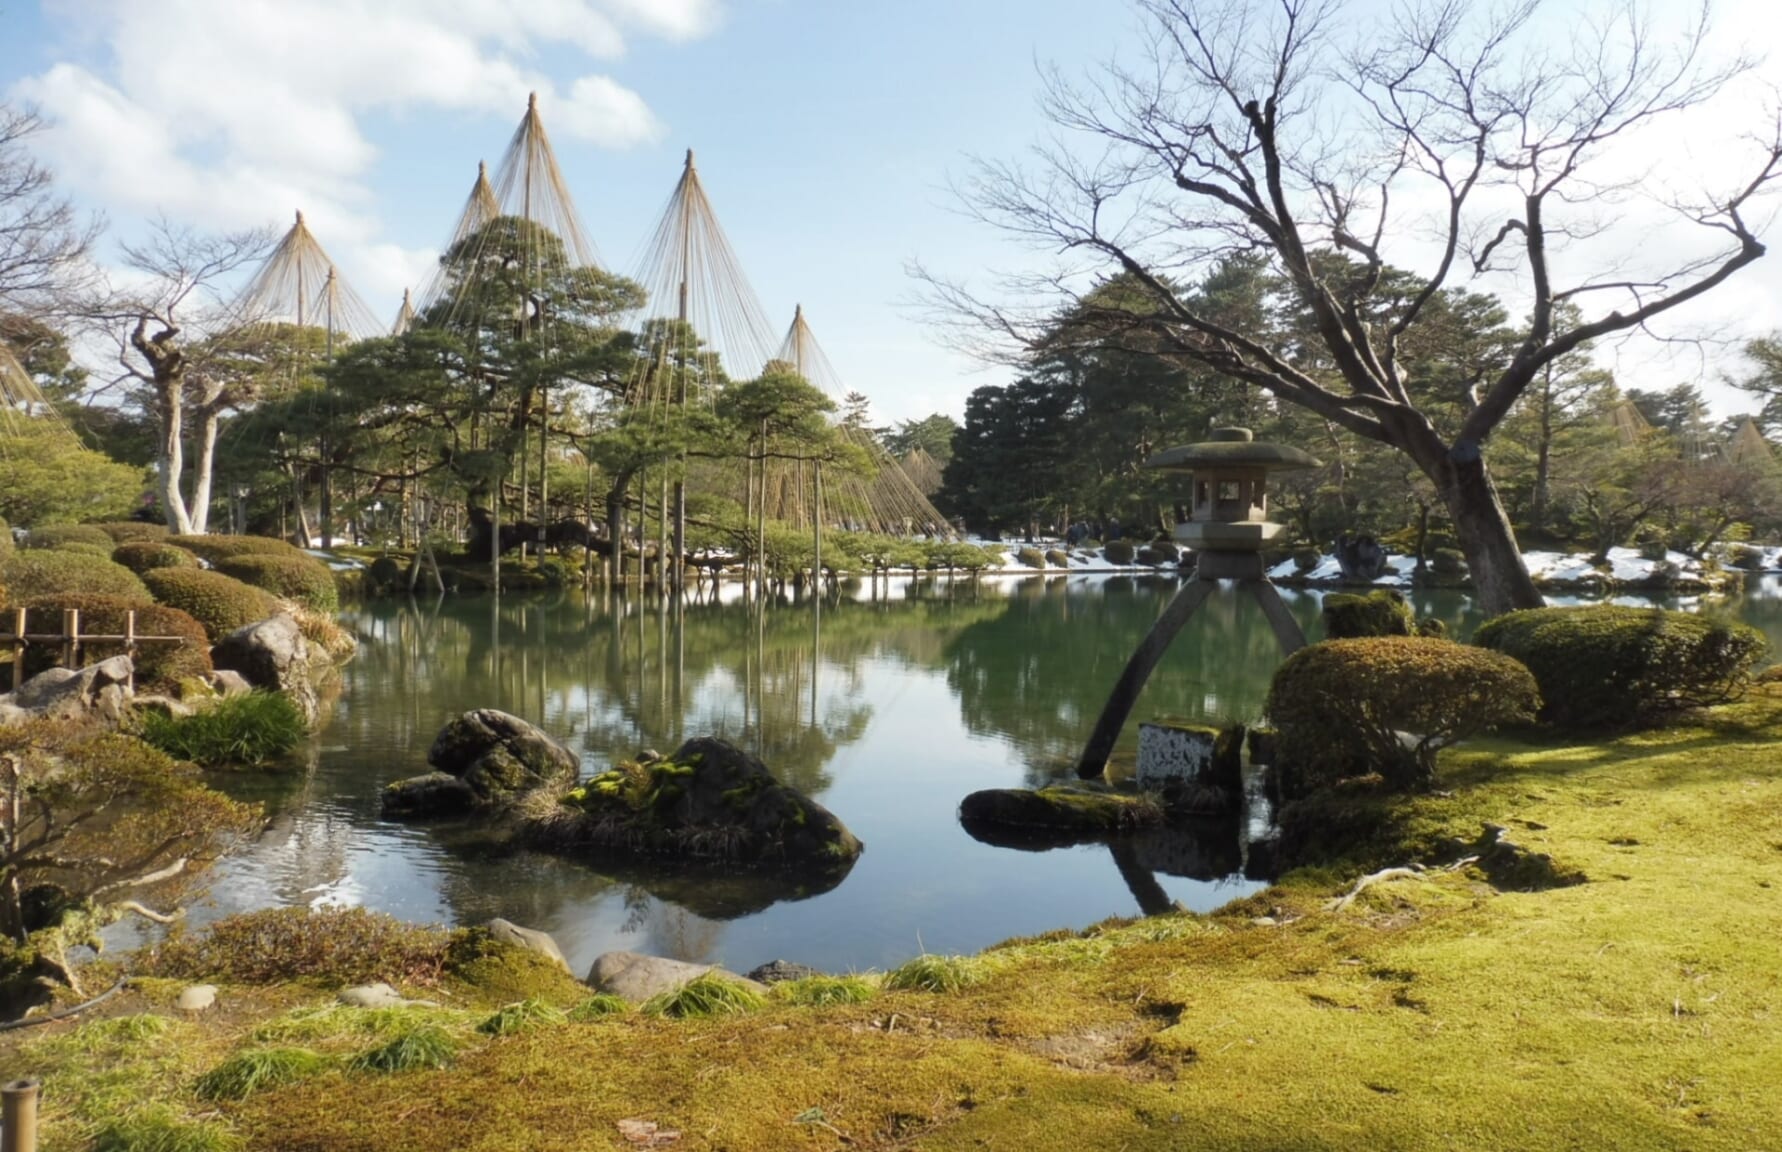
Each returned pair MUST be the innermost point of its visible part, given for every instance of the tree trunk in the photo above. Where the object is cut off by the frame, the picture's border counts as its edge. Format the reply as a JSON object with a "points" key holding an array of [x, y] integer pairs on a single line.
{"points": [[1500, 578], [199, 510], [172, 459]]}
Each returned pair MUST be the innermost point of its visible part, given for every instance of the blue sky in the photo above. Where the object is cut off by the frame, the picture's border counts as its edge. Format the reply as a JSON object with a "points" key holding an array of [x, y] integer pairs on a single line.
{"points": [[826, 132]]}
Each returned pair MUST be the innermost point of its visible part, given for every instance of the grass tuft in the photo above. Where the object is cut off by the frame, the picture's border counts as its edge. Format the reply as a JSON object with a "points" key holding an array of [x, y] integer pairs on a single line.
{"points": [[599, 1005], [520, 1016], [247, 1072], [936, 974], [427, 1046], [239, 730], [705, 996], [820, 991], [137, 1029], [160, 1129]]}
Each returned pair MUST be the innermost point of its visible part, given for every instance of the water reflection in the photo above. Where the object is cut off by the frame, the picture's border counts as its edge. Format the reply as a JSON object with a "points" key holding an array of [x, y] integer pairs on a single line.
{"points": [[888, 704]]}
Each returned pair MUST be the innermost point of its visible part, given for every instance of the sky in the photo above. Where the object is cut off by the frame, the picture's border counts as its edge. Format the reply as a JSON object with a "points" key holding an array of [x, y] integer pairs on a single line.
{"points": [[827, 131]]}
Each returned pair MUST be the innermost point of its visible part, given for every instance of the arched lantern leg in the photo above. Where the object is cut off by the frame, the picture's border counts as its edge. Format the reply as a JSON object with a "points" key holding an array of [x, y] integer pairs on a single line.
{"points": [[1138, 671]]}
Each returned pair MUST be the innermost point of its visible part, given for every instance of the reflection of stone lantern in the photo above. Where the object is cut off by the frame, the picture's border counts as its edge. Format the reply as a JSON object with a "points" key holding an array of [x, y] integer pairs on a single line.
{"points": [[1228, 528]]}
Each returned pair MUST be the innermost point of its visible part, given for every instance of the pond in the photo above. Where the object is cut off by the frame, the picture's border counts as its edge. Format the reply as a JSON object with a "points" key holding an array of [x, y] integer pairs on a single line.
{"points": [[888, 705]]}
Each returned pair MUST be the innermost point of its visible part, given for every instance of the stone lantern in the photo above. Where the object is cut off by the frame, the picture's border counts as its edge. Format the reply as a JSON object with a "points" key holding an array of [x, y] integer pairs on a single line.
{"points": [[1229, 525], [1228, 529]]}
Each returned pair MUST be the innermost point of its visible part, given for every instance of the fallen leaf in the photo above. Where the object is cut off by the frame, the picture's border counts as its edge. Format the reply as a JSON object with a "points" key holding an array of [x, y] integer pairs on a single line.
{"points": [[647, 1134]]}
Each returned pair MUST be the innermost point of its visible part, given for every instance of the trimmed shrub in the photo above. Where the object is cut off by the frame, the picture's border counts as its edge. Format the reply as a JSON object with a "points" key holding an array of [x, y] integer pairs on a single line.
{"points": [[141, 556], [301, 578], [329, 946], [1654, 550], [1307, 559], [1382, 612], [133, 531], [7, 547], [386, 573], [238, 730], [1609, 667], [1745, 557], [1343, 707], [1058, 558], [1119, 552], [27, 575], [1148, 556], [1031, 558], [220, 603], [158, 666], [1169, 552], [215, 548], [1448, 563], [50, 537]]}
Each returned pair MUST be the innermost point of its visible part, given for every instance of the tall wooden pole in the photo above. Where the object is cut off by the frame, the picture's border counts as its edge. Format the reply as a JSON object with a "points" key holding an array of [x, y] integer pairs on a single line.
{"points": [[690, 177]]}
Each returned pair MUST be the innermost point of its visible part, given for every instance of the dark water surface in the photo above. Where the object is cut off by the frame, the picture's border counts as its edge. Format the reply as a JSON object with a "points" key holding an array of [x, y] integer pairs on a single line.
{"points": [[888, 708]]}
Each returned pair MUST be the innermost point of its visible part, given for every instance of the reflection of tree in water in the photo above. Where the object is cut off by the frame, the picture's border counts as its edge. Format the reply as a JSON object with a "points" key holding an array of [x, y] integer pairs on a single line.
{"points": [[1038, 672]]}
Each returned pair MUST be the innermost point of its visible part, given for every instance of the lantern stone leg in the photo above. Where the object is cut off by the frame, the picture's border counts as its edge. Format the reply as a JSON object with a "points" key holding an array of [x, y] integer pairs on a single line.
{"points": [[1138, 670]]}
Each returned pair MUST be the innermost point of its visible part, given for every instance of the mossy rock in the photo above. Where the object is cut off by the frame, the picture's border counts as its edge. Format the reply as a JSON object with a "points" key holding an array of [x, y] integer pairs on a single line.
{"points": [[497, 972], [1383, 612], [1062, 807], [709, 800]]}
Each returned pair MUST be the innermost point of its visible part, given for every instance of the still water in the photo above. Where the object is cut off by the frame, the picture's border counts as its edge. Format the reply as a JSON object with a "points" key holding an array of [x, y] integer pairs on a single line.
{"points": [[888, 705]]}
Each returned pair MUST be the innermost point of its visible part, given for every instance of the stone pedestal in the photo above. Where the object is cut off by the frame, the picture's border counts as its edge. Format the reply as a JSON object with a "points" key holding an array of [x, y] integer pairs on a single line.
{"points": [[1174, 754]]}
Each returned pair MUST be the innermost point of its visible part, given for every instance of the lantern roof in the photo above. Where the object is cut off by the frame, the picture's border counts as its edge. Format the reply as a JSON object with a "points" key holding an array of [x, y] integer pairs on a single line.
{"points": [[1233, 448]]}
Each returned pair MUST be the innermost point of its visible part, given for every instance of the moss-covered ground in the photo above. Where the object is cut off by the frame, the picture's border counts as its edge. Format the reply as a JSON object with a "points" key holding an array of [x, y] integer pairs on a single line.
{"points": [[1641, 1009]]}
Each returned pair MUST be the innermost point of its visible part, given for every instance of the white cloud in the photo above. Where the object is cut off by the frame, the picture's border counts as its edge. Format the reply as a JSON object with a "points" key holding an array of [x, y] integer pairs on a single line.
{"points": [[226, 113]]}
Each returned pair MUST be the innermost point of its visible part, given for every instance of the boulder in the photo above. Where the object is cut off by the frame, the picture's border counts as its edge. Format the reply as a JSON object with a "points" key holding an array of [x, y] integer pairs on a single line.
{"points": [[376, 996], [499, 755], [101, 689], [432, 794], [1058, 806], [271, 655], [227, 683], [780, 971], [531, 939], [197, 998], [1361, 558], [709, 800], [636, 977]]}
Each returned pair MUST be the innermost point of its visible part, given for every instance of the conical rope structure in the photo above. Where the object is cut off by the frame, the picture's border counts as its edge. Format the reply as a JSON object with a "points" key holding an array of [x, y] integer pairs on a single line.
{"points": [[298, 284], [886, 501], [21, 401], [405, 315]]}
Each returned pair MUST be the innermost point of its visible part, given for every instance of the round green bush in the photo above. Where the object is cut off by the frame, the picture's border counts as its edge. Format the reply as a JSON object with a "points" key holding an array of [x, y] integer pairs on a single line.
{"points": [[1030, 557], [221, 603], [1306, 559], [141, 556], [386, 572], [301, 578], [1382, 612], [1448, 563], [57, 536], [1340, 707], [1058, 558], [1169, 552], [1119, 552], [133, 531], [29, 574], [158, 666], [216, 548], [1609, 667], [6, 545]]}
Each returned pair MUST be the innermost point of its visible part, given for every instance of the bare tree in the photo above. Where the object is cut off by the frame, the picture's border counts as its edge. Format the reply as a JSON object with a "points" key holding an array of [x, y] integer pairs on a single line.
{"points": [[43, 242], [1468, 144], [162, 328]]}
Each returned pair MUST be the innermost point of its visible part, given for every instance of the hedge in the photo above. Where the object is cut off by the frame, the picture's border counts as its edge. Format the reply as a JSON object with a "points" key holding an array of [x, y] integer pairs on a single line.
{"points": [[220, 603], [1058, 558], [158, 666], [1030, 558], [141, 556], [302, 578], [217, 548], [1609, 667], [1339, 707], [54, 536], [133, 531], [30, 574], [1119, 552], [1382, 612]]}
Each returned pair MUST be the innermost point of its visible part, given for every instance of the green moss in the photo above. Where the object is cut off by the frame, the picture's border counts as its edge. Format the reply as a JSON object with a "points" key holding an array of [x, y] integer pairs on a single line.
{"points": [[1382, 612], [500, 973], [158, 1128], [821, 991]]}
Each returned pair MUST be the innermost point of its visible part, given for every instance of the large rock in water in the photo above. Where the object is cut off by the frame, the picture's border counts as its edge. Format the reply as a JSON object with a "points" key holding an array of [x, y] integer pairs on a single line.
{"points": [[709, 800], [101, 689], [634, 976], [274, 656], [483, 760]]}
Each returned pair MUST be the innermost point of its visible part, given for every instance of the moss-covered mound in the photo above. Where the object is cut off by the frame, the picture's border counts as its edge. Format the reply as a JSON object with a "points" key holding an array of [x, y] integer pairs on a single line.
{"points": [[26, 575], [141, 556], [301, 578], [215, 548], [1382, 612], [1610, 667], [159, 666], [133, 531], [50, 537], [709, 800], [1060, 807], [220, 603]]}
